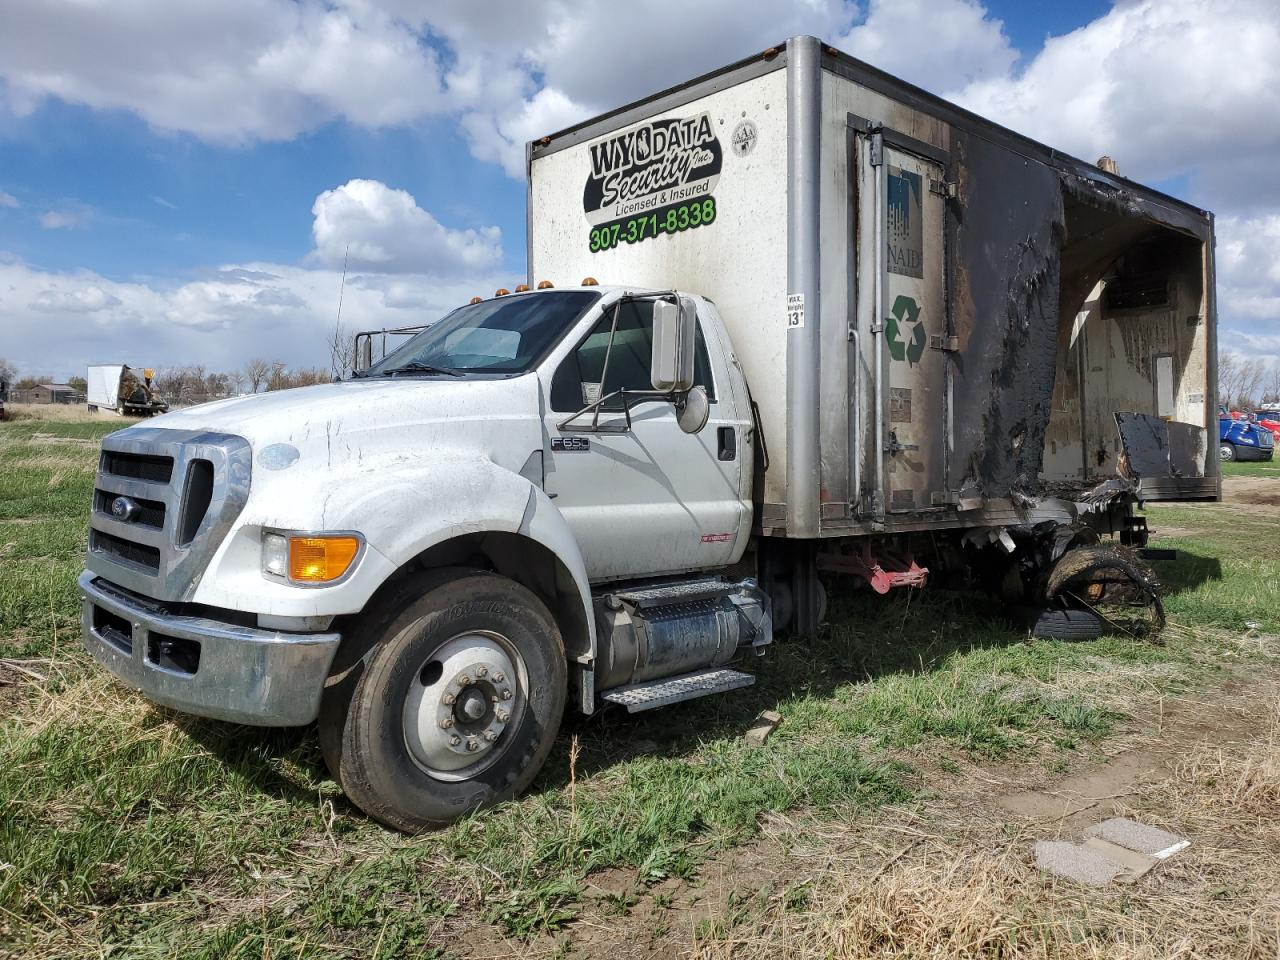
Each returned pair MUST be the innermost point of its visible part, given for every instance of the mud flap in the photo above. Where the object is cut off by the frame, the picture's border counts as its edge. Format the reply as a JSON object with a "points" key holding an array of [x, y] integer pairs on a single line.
{"points": [[1167, 457]]}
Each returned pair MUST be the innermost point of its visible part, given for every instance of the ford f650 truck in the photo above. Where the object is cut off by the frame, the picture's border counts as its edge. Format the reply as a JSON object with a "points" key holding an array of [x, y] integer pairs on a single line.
{"points": [[844, 332]]}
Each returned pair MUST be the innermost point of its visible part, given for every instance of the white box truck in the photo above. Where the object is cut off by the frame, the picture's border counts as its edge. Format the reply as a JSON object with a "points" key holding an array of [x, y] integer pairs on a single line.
{"points": [[115, 386], [792, 326]]}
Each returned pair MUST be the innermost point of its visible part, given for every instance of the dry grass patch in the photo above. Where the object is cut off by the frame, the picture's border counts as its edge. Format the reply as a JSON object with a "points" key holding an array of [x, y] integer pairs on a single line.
{"points": [[965, 887]]}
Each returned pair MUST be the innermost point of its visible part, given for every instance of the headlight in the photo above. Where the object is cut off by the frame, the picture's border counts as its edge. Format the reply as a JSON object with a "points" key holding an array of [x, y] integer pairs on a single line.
{"points": [[309, 559]]}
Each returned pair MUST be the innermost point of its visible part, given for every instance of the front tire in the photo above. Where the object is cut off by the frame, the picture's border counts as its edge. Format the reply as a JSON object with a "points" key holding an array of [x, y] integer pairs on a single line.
{"points": [[454, 707], [1226, 452]]}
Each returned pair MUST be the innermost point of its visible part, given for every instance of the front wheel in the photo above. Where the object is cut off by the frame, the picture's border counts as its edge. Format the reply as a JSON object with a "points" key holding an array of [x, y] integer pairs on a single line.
{"points": [[456, 705], [1226, 451]]}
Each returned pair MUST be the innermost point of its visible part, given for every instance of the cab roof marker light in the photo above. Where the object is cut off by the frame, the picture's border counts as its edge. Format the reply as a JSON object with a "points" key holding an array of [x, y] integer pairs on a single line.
{"points": [[545, 284], [522, 288], [501, 292], [590, 282], [477, 300]]}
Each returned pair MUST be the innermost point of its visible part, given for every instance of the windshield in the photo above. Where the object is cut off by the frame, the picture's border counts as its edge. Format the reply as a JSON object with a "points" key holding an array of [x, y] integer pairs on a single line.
{"points": [[503, 335]]}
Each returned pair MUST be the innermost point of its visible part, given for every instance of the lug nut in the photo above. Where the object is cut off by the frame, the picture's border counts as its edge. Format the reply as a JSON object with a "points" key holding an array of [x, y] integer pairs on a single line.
{"points": [[502, 716], [447, 699], [490, 736], [481, 671], [499, 677], [506, 694], [455, 740], [464, 681], [446, 723], [473, 745]]}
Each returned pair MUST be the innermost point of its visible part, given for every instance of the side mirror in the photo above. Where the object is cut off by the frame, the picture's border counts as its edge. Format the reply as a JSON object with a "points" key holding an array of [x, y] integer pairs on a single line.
{"points": [[692, 412], [674, 323]]}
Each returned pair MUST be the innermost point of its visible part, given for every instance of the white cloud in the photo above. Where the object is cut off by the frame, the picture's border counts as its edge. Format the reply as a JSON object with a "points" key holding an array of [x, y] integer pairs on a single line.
{"points": [[76, 299], [220, 320], [63, 219], [226, 71], [941, 45], [382, 229], [8, 200], [161, 201], [1169, 88]]}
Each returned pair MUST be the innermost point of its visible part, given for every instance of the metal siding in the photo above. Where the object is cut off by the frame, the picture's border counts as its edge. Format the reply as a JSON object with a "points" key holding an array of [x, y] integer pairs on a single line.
{"points": [[739, 261]]}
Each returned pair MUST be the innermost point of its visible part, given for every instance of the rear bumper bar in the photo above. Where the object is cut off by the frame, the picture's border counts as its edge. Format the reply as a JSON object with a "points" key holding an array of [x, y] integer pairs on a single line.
{"points": [[206, 667]]}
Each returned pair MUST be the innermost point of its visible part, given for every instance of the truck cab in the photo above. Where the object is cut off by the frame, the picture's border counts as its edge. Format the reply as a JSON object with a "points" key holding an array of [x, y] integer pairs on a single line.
{"points": [[542, 448]]}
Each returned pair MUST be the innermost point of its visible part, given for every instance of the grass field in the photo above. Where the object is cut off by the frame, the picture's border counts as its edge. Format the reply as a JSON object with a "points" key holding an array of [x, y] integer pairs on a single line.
{"points": [[130, 831]]}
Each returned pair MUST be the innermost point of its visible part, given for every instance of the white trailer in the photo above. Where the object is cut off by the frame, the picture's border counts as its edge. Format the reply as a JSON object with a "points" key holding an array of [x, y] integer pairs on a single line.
{"points": [[794, 317], [112, 386]]}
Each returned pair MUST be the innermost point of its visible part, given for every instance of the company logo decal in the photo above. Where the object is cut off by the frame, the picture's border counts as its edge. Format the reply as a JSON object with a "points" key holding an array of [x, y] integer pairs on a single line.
{"points": [[652, 179], [717, 537], [905, 228]]}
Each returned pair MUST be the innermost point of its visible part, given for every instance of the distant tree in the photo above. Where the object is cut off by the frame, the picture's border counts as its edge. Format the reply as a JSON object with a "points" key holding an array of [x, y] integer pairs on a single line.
{"points": [[256, 372], [78, 384], [342, 351], [26, 383], [309, 377], [236, 379], [8, 372], [1272, 394], [278, 378]]}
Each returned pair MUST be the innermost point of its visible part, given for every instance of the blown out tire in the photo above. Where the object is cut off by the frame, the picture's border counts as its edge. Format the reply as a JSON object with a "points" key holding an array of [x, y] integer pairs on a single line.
{"points": [[364, 732]]}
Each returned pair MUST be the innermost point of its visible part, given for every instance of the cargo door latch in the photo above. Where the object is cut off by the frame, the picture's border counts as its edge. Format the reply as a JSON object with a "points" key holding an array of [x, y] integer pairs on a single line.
{"points": [[892, 446], [939, 342]]}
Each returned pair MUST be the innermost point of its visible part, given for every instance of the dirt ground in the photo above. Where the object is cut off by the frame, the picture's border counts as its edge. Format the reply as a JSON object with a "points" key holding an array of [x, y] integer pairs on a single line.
{"points": [[794, 891], [1262, 493]]}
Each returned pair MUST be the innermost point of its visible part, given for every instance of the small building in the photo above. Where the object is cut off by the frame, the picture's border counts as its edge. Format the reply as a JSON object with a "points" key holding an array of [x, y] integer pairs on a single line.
{"points": [[54, 393]]}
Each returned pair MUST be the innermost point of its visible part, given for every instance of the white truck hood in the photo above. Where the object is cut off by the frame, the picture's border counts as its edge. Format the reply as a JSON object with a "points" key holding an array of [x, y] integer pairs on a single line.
{"points": [[364, 419]]}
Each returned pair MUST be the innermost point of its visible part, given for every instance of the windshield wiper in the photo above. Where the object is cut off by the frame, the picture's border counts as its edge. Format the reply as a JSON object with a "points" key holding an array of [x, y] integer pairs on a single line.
{"points": [[418, 366]]}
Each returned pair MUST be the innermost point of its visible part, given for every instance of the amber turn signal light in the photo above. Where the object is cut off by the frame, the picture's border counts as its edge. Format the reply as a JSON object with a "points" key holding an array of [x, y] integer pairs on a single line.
{"points": [[321, 559]]}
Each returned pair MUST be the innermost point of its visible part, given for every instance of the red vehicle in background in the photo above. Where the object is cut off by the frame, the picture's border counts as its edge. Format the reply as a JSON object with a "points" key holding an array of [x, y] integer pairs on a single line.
{"points": [[1269, 419]]}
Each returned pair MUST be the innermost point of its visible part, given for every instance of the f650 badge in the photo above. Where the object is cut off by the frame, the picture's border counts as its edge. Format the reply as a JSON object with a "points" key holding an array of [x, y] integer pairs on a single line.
{"points": [[570, 444]]}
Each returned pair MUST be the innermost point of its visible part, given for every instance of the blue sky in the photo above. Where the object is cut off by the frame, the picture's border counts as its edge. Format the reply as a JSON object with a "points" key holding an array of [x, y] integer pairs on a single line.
{"points": [[158, 164]]}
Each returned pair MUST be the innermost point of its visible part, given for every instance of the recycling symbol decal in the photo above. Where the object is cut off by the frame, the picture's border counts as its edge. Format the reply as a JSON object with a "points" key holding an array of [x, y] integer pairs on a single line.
{"points": [[904, 332]]}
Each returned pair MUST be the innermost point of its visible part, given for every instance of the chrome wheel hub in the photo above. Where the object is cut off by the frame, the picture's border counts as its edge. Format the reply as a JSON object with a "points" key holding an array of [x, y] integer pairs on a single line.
{"points": [[461, 702]]}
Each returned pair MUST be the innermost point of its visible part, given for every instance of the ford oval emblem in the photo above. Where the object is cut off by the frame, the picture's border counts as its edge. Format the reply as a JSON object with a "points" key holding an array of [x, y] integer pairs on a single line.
{"points": [[123, 508]]}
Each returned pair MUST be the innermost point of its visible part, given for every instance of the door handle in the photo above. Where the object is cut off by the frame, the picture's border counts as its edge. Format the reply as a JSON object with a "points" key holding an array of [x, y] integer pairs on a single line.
{"points": [[726, 443]]}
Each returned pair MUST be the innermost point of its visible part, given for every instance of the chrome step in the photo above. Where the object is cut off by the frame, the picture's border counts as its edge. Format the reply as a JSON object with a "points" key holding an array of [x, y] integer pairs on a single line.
{"points": [[658, 693]]}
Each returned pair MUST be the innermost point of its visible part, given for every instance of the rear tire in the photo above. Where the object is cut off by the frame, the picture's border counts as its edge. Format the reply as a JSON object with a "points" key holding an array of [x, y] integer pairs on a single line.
{"points": [[1067, 625], [454, 706], [1226, 452]]}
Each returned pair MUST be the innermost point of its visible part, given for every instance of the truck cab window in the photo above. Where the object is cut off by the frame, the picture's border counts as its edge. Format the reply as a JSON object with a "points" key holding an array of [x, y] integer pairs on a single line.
{"points": [[578, 380]]}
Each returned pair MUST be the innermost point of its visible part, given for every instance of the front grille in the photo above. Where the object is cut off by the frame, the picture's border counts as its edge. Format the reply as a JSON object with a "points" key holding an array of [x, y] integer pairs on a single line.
{"points": [[117, 548], [189, 486], [137, 466], [150, 512]]}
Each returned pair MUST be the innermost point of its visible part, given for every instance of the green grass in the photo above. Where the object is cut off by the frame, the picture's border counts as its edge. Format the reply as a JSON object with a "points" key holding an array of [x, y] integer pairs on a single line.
{"points": [[1259, 468], [128, 829]]}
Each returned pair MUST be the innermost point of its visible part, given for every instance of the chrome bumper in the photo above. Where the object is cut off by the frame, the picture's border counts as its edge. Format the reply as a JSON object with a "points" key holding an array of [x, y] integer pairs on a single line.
{"points": [[205, 667]]}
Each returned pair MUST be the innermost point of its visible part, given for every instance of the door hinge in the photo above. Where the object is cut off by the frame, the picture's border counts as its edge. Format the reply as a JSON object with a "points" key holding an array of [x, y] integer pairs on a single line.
{"points": [[875, 155], [939, 342], [947, 189]]}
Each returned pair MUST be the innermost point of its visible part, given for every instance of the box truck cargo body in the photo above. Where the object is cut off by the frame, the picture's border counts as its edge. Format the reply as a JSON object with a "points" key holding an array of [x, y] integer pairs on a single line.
{"points": [[793, 327], [920, 299]]}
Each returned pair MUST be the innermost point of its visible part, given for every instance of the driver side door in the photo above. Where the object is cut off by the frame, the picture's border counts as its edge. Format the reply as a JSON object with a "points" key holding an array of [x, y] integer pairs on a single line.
{"points": [[653, 499]]}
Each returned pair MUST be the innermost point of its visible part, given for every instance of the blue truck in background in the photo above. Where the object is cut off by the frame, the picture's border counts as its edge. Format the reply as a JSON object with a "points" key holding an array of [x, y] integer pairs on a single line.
{"points": [[1243, 440]]}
